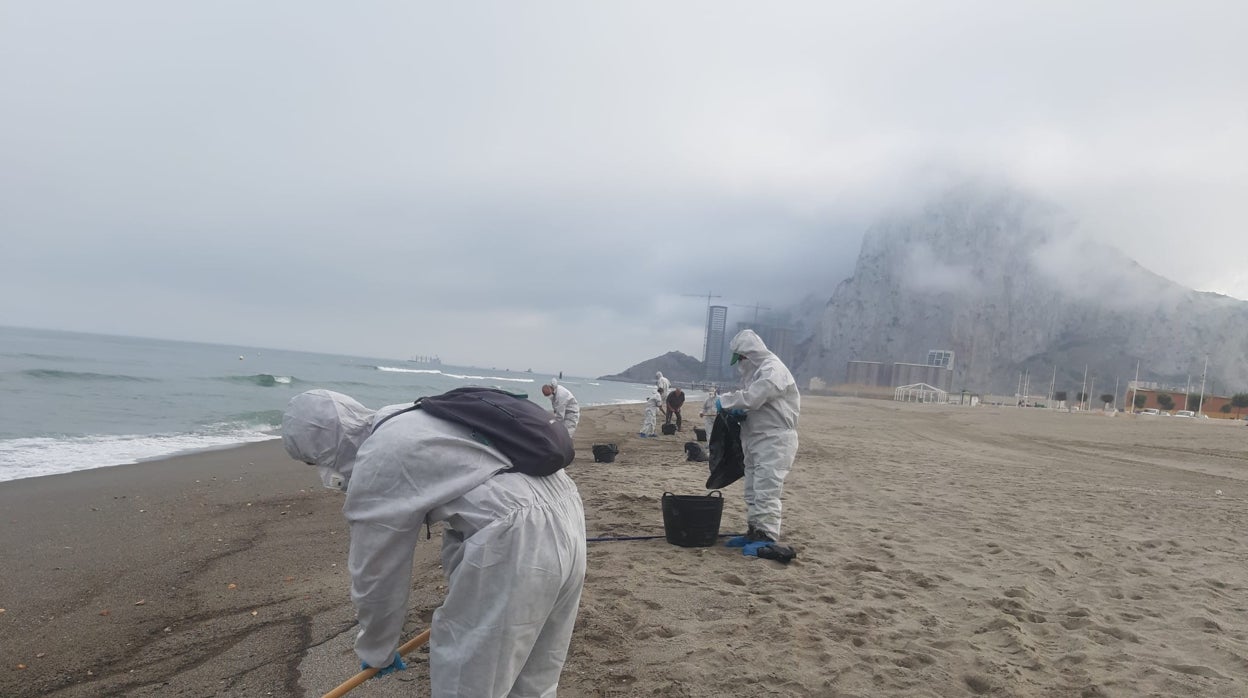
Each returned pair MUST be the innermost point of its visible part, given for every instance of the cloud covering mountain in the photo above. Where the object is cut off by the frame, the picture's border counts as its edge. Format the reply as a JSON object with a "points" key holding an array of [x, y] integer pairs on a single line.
{"points": [[1011, 285]]}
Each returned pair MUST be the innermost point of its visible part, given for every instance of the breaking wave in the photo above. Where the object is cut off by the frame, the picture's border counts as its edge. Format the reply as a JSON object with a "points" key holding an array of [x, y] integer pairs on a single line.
{"points": [[264, 380], [395, 369], [36, 456], [52, 374]]}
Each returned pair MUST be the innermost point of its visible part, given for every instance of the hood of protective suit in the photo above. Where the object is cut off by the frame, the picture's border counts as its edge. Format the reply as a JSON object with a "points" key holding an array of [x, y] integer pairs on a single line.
{"points": [[325, 429], [750, 346]]}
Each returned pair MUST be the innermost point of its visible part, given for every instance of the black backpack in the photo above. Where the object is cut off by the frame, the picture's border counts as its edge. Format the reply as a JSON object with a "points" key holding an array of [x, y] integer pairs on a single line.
{"points": [[526, 433]]}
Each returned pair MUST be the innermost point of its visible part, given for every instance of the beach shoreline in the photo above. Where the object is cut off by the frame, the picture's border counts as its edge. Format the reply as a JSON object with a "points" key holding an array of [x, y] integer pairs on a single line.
{"points": [[942, 551]]}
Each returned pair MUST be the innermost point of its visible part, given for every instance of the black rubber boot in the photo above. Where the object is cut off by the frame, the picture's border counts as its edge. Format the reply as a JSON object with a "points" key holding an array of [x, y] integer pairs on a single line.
{"points": [[754, 535]]}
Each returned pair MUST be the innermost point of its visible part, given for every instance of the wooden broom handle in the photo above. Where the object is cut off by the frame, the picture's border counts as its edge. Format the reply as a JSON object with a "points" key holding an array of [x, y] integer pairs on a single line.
{"points": [[368, 673]]}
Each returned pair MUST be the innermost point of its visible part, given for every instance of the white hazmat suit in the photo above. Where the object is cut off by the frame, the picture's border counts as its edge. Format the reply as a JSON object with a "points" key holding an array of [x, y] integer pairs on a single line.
{"points": [[662, 383], [566, 408], [769, 434], [513, 550], [652, 414], [708, 411]]}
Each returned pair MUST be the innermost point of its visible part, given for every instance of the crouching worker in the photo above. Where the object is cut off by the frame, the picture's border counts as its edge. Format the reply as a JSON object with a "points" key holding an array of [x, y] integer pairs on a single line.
{"points": [[513, 548]]}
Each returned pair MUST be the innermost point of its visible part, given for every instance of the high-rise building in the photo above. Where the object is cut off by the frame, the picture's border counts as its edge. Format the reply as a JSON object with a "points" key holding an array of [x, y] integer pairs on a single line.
{"points": [[713, 352]]}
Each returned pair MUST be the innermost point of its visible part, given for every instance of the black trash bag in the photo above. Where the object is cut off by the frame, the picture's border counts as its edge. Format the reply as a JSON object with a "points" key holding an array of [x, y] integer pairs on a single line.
{"points": [[727, 461], [605, 453], [693, 451]]}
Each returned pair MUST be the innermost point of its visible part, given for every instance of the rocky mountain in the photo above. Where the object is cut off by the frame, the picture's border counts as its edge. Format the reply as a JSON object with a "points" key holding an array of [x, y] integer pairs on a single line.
{"points": [[1004, 282], [677, 366]]}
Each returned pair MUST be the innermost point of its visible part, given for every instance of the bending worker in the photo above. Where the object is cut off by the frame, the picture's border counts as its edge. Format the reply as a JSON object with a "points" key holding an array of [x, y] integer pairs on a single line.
{"points": [[513, 548], [768, 434], [675, 401], [652, 414], [567, 411]]}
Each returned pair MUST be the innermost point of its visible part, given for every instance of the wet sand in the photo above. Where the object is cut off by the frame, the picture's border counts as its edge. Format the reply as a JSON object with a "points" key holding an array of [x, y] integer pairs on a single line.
{"points": [[943, 551]]}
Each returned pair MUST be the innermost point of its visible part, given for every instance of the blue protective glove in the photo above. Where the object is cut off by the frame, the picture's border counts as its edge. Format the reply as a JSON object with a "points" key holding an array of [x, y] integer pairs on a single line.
{"points": [[736, 413], [751, 548], [719, 406], [396, 665], [737, 542]]}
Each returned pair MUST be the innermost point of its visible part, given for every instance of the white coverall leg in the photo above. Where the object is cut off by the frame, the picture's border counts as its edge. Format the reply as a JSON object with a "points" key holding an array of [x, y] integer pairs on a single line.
{"points": [[519, 578], [572, 417], [768, 459]]}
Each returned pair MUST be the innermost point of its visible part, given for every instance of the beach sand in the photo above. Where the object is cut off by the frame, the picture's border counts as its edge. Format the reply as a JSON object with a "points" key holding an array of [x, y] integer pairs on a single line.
{"points": [[943, 551]]}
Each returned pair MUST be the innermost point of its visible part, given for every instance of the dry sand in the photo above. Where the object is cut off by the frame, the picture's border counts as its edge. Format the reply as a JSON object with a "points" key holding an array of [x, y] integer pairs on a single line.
{"points": [[944, 551]]}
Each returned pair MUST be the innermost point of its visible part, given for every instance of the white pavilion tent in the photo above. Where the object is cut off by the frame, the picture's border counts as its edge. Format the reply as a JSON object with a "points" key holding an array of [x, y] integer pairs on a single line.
{"points": [[920, 392]]}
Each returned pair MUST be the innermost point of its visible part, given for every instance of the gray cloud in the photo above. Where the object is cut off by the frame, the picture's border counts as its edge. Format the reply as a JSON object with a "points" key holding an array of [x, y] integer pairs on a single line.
{"points": [[547, 180]]}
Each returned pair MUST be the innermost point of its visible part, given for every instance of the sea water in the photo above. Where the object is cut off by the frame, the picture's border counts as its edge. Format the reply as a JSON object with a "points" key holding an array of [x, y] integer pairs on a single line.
{"points": [[72, 401]]}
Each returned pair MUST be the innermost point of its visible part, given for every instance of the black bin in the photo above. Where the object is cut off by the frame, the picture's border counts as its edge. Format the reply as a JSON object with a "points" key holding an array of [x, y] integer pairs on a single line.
{"points": [[699, 433], [692, 521], [669, 429], [605, 453]]}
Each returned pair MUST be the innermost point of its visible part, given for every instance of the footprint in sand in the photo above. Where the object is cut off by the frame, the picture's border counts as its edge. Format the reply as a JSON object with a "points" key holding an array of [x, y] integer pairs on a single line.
{"points": [[1194, 670], [978, 684]]}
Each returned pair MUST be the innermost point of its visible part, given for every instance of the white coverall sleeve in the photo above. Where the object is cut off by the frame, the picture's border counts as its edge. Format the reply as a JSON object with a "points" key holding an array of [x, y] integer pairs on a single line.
{"points": [[754, 396], [380, 562]]}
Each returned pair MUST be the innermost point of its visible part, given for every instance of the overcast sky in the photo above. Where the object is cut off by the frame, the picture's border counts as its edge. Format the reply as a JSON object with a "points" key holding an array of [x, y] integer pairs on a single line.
{"points": [[538, 184]]}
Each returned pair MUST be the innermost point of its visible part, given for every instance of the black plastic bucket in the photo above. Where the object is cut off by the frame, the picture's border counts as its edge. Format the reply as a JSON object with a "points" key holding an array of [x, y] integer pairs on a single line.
{"points": [[669, 429], [605, 453], [699, 433], [692, 521]]}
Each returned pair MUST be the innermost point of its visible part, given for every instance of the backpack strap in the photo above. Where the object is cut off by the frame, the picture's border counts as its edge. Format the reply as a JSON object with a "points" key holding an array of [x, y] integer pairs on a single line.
{"points": [[415, 406]]}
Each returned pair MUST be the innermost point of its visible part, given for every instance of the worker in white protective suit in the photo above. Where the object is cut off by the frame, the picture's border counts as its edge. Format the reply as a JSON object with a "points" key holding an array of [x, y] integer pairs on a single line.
{"points": [[663, 384], [563, 402], [651, 417], [708, 410], [770, 402], [513, 548]]}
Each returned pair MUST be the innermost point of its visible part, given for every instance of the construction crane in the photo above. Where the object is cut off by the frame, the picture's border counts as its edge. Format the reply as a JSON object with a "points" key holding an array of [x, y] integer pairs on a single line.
{"points": [[708, 296], [756, 308]]}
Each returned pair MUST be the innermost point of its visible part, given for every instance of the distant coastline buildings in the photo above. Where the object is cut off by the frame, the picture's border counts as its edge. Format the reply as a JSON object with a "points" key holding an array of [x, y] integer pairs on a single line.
{"points": [[937, 372]]}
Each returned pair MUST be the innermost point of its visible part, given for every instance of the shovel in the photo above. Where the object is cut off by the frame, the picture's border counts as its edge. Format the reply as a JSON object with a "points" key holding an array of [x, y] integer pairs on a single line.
{"points": [[346, 686]]}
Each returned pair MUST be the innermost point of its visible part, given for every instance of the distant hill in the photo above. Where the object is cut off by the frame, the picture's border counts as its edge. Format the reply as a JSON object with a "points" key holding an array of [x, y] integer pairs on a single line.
{"points": [[677, 366], [1000, 279]]}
